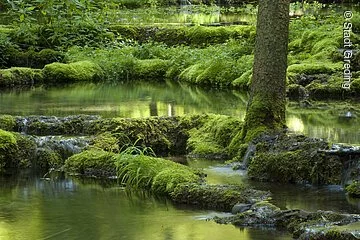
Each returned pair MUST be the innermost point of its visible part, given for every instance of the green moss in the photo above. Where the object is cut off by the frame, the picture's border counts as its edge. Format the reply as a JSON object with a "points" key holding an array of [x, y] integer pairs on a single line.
{"points": [[257, 119], [83, 71], [7, 122], [91, 163], [16, 150], [213, 136], [329, 89], [209, 196], [18, 76], [166, 181], [353, 189], [191, 73], [199, 36], [7, 146], [159, 175], [295, 167], [25, 151], [244, 81], [7, 140], [107, 141], [46, 159], [152, 69], [314, 68]]}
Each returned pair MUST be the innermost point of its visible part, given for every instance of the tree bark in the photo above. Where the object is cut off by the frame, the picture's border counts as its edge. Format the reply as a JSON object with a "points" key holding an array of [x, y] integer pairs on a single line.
{"points": [[266, 107]]}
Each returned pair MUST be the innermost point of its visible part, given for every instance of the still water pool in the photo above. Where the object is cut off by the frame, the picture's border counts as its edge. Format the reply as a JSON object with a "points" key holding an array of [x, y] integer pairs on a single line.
{"points": [[169, 99], [67, 208]]}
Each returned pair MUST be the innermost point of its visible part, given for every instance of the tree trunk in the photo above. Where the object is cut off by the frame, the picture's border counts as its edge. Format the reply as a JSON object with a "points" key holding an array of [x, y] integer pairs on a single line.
{"points": [[266, 107]]}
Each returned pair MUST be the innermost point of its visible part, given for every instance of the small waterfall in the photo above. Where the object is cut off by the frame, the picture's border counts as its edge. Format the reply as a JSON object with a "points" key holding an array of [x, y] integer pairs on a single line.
{"points": [[248, 154], [65, 146]]}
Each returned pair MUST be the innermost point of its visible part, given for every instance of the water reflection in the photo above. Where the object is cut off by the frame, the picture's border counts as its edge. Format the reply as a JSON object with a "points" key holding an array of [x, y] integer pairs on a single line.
{"points": [[72, 209], [285, 196], [171, 99]]}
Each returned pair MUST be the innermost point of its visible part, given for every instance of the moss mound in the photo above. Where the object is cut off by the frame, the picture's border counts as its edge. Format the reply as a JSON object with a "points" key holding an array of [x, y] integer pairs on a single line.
{"points": [[165, 135], [213, 136], [7, 122], [353, 189], [16, 151], [18, 77], [159, 175], [294, 159], [82, 71], [152, 69], [92, 163]]}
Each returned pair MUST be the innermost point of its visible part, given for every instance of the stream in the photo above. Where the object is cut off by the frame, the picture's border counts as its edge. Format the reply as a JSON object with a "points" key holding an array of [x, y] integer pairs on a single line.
{"points": [[71, 208]]}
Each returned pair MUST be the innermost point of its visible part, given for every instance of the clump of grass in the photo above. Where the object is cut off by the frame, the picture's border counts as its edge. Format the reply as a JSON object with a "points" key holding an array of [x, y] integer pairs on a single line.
{"points": [[140, 169]]}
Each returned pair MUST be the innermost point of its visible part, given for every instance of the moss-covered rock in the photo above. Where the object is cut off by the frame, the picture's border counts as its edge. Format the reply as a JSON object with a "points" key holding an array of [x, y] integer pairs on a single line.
{"points": [[213, 136], [163, 134], [7, 147], [82, 71], [195, 36], [20, 77], [353, 189], [314, 68], [31, 58], [296, 91], [16, 151], [7, 122], [152, 69], [294, 159], [180, 183], [46, 159], [93, 162], [110, 142]]}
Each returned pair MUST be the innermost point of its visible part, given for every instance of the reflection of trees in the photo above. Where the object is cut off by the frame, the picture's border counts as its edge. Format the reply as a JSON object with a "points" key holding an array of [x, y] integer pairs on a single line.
{"points": [[125, 100], [153, 109], [327, 125]]}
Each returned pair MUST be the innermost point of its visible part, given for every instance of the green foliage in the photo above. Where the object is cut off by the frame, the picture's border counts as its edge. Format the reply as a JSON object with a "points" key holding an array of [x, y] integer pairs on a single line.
{"points": [[7, 122], [244, 81], [82, 71], [92, 163], [137, 170], [18, 76], [353, 189]]}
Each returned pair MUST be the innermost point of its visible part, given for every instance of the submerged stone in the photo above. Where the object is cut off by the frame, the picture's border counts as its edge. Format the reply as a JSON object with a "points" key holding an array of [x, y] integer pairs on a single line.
{"points": [[239, 208]]}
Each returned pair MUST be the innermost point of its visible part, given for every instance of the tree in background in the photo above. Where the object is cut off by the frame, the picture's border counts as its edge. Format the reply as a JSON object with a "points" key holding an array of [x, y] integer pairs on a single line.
{"points": [[266, 107]]}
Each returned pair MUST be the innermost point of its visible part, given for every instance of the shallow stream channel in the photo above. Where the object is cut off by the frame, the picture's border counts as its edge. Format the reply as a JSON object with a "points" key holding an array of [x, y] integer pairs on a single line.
{"points": [[72, 208]]}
